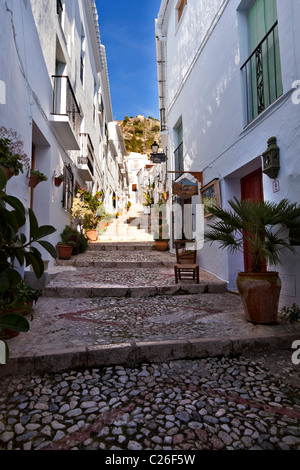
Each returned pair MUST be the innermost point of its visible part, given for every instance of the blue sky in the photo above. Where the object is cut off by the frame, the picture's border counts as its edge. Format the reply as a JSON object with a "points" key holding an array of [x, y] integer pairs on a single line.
{"points": [[128, 33]]}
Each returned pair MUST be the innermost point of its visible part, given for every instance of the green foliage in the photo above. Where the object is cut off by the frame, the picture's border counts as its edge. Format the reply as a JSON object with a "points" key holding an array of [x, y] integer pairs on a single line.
{"points": [[39, 174], [12, 154], [291, 314], [263, 225], [71, 236], [140, 133], [88, 209], [16, 250]]}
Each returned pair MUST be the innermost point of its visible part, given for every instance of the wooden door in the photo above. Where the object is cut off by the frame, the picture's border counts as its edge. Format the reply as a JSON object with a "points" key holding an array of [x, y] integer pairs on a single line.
{"points": [[251, 188]]}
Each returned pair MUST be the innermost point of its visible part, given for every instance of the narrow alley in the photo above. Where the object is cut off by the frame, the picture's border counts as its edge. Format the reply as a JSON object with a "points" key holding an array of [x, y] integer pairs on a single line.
{"points": [[120, 357]]}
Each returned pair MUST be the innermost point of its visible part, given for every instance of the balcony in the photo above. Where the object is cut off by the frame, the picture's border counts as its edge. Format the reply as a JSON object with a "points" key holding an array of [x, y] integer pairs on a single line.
{"points": [[262, 75], [121, 162], [65, 116], [85, 160]]}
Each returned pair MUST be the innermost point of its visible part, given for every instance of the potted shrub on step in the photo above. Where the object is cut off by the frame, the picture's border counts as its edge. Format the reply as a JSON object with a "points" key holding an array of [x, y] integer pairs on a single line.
{"points": [[262, 230]]}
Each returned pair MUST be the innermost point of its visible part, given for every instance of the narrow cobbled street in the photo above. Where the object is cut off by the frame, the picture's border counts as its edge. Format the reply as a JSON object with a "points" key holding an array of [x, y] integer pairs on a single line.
{"points": [[119, 357]]}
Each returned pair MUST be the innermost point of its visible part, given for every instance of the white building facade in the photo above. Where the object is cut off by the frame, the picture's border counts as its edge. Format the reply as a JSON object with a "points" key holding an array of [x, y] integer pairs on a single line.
{"points": [[55, 94], [227, 76]]}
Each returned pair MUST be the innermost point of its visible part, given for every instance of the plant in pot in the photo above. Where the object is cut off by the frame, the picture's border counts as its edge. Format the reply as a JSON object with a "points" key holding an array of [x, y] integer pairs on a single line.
{"points": [[88, 210], [161, 232], [35, 178], [58, 179], [260, 229], [17, 250], [65, 249], [70, 234], [13, 159]]}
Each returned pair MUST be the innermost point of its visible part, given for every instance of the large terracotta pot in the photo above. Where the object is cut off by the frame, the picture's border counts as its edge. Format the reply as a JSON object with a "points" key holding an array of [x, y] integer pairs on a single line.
{"points": [[260, 293], [162, 245], [92, 235]]}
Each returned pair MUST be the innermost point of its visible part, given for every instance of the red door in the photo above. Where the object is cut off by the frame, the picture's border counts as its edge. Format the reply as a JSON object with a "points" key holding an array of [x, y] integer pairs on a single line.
{"points": [[251, 188]]}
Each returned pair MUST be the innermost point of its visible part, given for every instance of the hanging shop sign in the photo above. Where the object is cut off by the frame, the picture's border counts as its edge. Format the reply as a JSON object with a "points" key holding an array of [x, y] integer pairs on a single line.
{"points": [[157, 158], [185, 188]]}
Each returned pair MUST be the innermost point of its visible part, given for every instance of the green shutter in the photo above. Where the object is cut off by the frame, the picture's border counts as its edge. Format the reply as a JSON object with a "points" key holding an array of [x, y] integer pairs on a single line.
{"points": [[261, 17]]}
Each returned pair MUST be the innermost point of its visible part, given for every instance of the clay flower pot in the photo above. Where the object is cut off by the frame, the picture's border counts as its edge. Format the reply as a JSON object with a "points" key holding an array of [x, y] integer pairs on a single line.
{"points": [[260, 293], [92, 235], [162, 245], [58, 181], [34, 181], [64, 251]]}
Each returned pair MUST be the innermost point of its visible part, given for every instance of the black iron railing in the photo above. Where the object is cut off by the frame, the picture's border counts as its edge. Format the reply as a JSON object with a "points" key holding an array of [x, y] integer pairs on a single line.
{"points": [[178, 158], [64, 102], [262, 74]]}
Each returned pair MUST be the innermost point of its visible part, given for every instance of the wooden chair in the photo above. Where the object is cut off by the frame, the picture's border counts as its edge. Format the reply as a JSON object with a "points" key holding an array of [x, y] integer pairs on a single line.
{"points": [[186, 257]]}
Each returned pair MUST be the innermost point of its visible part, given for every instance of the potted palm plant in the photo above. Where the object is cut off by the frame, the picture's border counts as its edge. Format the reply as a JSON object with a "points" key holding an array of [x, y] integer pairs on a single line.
{"points": [[262, 230]]}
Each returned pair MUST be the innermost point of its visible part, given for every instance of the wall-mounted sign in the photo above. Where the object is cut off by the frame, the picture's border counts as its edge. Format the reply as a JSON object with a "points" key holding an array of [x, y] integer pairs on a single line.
{"points": [[185, 188], [157, 157], [210, 194]]}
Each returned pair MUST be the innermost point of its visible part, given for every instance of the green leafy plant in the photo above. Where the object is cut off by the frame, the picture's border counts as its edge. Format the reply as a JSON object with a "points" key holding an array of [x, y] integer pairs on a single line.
{"points": [[70, 234], [12, 155], [17, 250], [291, 314], [38, 174], [88, 209], [259, 227]]}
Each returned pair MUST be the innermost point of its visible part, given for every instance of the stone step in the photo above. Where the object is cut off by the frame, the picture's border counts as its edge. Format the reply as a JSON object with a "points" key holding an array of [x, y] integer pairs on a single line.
{"points": [[125, 291], [122, 246]]}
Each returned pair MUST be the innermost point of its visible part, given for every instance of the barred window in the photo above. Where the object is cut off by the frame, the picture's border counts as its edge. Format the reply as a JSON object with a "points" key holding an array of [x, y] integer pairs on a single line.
{"points": [[68, 188]]}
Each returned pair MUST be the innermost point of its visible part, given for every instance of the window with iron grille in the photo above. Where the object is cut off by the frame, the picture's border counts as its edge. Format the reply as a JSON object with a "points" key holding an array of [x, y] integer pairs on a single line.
{"points": [[262, 69], [178, 153], [68, 188]]}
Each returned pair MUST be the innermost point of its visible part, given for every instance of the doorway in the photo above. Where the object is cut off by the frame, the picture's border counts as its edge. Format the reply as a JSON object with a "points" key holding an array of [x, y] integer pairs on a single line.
{"points": [[251, 188]]}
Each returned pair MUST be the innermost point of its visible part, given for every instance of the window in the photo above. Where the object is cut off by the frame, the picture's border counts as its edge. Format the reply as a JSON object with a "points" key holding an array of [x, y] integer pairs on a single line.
{"points": [[82, 55], [178, 153], [262, 69], [180, 8], [68, 188], [59, 10]]}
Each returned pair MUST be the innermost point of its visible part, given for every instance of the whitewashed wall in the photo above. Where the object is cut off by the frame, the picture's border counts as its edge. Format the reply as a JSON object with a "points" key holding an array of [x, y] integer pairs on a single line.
{"points": [[204, 89]]}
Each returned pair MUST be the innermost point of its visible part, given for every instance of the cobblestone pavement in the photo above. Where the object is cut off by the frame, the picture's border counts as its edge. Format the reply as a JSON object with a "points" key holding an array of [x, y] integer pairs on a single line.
{"points": [[173, 402], [69, 323], [215, 403]]}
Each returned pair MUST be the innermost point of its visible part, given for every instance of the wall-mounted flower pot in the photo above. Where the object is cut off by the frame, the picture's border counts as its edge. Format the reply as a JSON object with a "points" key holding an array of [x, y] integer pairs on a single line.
{"points": [[64, 251], [7, 171], [34, 181], [58, 181], [92, 235]]}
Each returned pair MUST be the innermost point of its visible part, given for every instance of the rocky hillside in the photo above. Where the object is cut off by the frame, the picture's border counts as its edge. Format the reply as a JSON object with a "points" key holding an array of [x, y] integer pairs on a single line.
{"points": [[139, 133]]}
